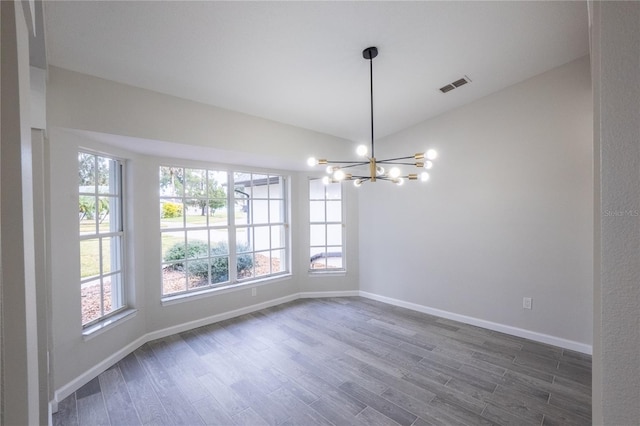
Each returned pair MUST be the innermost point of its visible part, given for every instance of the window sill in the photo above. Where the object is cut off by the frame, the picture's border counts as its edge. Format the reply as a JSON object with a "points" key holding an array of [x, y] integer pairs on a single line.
{"points": [[324, 273], [184, 297], [107, 324]]}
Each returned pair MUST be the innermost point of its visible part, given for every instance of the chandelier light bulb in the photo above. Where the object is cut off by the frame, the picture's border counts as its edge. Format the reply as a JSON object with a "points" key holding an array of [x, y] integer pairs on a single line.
{"points": [[380, 171], [428, 165], [326, 180], [394, 172], [399, 181], [361, 150], [424, 176], [339, 174], [331, 169], [431, 154], [357, 183], [312, 161]]}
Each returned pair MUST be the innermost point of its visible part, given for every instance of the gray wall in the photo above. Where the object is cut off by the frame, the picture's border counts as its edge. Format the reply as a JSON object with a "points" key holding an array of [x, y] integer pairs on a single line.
{"points": [[507, 213], [615, 38]]}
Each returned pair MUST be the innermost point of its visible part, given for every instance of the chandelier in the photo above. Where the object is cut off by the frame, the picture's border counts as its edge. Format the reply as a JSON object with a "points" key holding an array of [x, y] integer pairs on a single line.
{"points": [[376, 170]]}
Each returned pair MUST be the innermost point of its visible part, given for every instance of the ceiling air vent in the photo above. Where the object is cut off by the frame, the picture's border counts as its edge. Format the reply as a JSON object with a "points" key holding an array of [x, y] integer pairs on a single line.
{"points": [[449, 87]]}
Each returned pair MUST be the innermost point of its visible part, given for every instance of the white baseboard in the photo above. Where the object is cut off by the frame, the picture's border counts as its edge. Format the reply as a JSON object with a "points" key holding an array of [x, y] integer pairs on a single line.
{"points": [[84, 378], [514, 331], [319, 294]]}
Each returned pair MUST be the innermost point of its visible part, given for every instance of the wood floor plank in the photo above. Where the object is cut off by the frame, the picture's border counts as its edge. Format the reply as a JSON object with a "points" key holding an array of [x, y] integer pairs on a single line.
{"points": [[67, 414], [380, 404], [338, 361], [92, 411], [117, 400]]}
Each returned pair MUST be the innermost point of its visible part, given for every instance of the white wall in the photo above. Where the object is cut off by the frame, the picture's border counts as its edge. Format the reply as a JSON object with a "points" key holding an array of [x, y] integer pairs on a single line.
{"points": [[507, 212], [615, 44], [123, 121]]}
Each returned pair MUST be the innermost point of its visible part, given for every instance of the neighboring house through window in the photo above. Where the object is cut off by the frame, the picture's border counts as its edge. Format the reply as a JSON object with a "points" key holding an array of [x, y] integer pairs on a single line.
{"points": [[101, 236]]}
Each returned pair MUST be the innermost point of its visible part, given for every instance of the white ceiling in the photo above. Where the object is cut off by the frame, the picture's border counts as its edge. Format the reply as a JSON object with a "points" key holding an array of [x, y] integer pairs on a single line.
{"points": [[301, 63]]}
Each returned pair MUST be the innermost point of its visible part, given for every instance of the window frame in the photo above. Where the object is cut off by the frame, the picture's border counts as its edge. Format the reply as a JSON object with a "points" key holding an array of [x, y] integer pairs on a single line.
{"points": [[118, 292], [326, 223], [232, 228]]}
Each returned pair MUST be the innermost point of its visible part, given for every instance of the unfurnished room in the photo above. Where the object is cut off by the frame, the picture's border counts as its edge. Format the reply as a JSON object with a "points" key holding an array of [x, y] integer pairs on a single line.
{"points": [[320, 213]]}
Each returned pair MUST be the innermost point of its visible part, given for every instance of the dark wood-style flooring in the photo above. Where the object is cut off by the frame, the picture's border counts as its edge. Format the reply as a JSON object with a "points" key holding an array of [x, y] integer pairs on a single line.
{"points": [[340, 361]]}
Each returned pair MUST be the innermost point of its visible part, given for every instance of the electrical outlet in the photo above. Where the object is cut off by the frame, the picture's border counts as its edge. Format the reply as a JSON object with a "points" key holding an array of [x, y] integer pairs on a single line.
{"points": [[254, 291], [526, 303]]}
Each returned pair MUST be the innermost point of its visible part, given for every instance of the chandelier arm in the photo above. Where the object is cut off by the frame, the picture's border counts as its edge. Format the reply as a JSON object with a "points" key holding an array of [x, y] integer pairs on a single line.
{"points": [[329, 162], [354, 165], [395, 162], [398, 158]]}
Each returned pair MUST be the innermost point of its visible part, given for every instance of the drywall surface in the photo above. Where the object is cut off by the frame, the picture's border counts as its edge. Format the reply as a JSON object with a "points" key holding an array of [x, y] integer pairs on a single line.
{"points": [[85, 102], [615, 35], [87, 112], [507, 213]]}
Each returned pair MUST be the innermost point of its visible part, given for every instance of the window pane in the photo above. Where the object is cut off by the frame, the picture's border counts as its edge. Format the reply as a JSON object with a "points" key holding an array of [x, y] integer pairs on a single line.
{"points": [[244, 240], [245, 265], [334, 235], [171, 213], [262, 239], [316, 211], [197, 244], [260, 212], [197, 268], [317, 258], [91, 305], [106, 176], [334, 257], [242, 185], [219, 238], [196, 213], [276, 187], [241, 211], [276, 211], [316, 189], [218, 181], [334, 191], [174, 278], [195, 183], [89, 258], [263, 263], [277, 236], [219, 269], [318, 237], [111, 247], [111, 293], [334, 211], [86, 172], [87, 214], [108, 214], [260, 186], [173, 246], [278, 263], [171, 181]]}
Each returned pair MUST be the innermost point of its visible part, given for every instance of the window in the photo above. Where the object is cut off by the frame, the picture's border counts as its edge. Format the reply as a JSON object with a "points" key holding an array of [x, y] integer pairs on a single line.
{"points": [[326, 226], [213, 237], [101, 236]]}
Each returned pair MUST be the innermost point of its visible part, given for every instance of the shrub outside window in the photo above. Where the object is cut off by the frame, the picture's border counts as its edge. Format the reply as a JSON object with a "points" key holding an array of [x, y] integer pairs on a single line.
{"points": [[325, 226], [101, 236], [213, 237]]}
